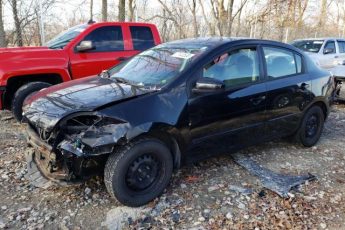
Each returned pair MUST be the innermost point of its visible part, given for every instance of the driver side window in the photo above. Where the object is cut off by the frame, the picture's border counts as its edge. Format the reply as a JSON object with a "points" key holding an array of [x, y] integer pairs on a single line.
{"points": [[235, 68], [330, 45], [106, 39]]}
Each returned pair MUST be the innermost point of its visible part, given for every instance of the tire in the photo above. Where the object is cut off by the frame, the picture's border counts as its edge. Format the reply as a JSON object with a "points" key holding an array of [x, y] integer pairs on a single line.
{"points": [[122, 171], [21, 94], [311, 127]]}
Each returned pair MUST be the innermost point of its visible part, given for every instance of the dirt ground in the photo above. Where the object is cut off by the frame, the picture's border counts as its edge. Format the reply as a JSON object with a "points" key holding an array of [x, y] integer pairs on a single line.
{"points": [[213, 194]]}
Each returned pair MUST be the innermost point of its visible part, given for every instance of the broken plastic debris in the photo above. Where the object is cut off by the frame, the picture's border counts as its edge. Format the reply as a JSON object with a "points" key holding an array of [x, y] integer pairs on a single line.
{"points": [[277, 182], [239, 189], [34, 175]]}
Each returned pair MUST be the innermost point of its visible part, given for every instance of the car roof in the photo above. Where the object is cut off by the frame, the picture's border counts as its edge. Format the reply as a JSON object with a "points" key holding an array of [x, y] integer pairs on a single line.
{"points": [[213, 42], [120, 23], [321, 38], [202, 41]]}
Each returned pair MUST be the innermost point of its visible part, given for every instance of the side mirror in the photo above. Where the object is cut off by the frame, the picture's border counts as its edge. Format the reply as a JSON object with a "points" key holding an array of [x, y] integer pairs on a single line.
{"points": [[205, 84], [85, 46], [328, 51]]}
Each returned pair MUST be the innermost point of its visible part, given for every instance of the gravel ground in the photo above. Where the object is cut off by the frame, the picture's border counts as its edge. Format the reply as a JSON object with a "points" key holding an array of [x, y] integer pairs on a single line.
{"points": [[213, 194]]}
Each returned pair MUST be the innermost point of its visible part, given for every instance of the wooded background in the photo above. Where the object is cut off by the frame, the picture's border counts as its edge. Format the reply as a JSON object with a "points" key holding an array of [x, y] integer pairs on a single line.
{"points": [[282, 20]]}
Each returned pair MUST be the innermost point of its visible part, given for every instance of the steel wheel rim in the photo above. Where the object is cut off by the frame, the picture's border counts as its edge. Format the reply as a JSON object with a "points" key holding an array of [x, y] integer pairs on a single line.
{"points": [[312, 125], [142, 172]]}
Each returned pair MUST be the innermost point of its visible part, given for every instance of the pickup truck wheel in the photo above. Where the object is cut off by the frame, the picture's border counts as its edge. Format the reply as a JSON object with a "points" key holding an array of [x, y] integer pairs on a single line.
{"points": [[21, 94], [138, 172], [311, 127]]}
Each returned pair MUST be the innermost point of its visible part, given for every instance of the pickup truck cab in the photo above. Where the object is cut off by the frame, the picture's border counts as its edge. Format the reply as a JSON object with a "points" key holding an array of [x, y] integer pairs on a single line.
{"points": [[81, 51], [329, 54]]}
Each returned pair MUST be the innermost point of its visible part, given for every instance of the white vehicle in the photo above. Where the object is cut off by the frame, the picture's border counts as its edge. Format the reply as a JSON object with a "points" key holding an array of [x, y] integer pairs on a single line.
{"points": [[328, 53]]}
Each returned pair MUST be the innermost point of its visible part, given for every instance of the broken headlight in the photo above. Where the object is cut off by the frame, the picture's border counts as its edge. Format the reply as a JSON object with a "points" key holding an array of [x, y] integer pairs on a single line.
{"points": [[92, 134]]}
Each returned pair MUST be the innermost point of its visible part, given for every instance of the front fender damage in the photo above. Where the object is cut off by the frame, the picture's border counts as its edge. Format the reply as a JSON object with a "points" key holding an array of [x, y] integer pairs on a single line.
{"points": [[102, 140], [79, 146]]}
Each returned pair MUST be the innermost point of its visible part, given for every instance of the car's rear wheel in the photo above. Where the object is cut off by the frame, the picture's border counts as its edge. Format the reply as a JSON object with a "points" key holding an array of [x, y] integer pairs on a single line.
{"points": [[311, 127], [21, 94], [138, 172]]}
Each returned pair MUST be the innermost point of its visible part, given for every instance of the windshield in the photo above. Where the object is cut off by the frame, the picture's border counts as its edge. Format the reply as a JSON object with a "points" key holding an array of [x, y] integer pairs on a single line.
{"points": [[60, 41], [309, 45], [155, 67]]}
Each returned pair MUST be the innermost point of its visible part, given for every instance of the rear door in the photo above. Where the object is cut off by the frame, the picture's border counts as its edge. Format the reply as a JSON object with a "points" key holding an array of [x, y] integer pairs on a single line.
{"points": [[288, 89], [233, 117], [112, 45], [341, 51]]}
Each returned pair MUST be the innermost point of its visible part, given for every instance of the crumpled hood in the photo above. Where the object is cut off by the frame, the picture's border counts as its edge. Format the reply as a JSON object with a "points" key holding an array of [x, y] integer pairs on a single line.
{"points": [[45, 108]]}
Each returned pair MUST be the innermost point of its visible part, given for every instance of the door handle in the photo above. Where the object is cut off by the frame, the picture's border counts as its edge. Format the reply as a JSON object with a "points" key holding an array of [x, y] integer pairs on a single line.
{"points": [[257, 100]]}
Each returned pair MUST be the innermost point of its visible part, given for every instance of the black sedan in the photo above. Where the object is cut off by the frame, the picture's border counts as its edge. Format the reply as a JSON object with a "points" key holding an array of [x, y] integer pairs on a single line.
{"points": [[177, 102]]}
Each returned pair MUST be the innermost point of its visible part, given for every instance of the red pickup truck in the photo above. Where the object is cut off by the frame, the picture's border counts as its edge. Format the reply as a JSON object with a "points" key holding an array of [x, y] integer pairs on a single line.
{"points": [[81, 51]]}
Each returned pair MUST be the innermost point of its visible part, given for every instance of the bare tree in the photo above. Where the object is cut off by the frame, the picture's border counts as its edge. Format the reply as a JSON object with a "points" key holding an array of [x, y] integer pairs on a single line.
{"points": [[91, 10], [211, 28], [104, 10], [301, 8], [192, 7], [224, 16], [131, 8], [3, 42], [323, 16], [174, 16], [17, 23], [122, 10], [175, 19]]}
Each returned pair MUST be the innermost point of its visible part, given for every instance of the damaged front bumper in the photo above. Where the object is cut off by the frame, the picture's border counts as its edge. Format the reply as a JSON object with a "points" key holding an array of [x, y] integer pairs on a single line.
{"points": [[65, 166], [339, 88], [44, 160], [79, 146]]}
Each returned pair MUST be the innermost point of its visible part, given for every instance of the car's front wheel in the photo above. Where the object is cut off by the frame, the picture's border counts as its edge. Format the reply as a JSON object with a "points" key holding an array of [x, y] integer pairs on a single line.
{"points": [[138, 172], [311, 127]]}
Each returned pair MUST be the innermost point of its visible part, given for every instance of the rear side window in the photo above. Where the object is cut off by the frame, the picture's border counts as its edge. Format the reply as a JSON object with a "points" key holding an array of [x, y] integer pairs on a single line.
{"points": [[106, 39], [298, 61], [282, 62], [341, 45], [142, 37]]}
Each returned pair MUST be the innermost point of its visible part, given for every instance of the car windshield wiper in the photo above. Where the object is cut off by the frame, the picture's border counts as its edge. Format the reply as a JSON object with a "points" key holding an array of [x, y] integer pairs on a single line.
{"points": [[106, 74], [123, 80], [127, 82]]}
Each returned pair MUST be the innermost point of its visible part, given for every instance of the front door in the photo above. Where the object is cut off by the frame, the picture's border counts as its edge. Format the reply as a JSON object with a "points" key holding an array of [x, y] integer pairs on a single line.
{"points": [[328, 60], [109, 50], [233, 117], [288, 90]]}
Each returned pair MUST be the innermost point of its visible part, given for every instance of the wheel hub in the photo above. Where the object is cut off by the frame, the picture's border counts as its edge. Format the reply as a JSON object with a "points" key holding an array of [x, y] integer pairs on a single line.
{"points": [[142, 172], [311, 126]]}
